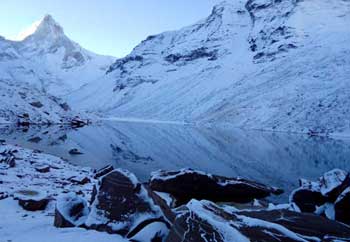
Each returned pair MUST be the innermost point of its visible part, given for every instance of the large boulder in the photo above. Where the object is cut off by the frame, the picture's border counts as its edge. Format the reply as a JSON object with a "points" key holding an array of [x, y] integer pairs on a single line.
{"points": [[342, 207], [71, 211], [307, 225], [333, 183], [32, 200], [307, 200], [205, 221], [122, 205], [317, 196], [188, 184]]}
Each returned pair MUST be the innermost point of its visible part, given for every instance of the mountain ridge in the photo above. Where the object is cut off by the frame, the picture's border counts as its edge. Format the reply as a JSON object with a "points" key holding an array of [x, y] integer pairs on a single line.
{"points": [[226, 71]]}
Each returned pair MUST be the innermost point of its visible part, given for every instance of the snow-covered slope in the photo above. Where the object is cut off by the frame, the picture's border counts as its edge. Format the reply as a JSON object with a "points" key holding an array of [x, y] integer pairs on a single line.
{"points": [[37, 70], [20, 102], [267, 64]]}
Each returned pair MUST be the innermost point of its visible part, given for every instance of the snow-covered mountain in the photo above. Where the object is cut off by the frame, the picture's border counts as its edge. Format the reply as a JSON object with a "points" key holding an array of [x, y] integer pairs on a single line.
{"points": [[46, 57], [41, 67], [266, 64]]}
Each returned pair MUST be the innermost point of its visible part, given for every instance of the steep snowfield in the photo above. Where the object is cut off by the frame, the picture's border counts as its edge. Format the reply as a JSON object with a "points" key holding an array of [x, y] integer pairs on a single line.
{"points": [[43, 65], [264, 64]]}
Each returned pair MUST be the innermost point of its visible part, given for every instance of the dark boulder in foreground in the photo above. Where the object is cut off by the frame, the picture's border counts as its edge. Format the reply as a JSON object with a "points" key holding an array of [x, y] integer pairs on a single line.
{"points": [[303, 224], [327, 196], [342, 207], [31, 200], [122, 205], [187, 184], [308, 200], [71, 211], [205, 221]]}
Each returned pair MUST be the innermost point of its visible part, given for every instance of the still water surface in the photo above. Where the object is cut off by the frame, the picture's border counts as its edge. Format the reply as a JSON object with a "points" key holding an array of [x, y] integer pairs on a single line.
{"points": [[277, 159]]}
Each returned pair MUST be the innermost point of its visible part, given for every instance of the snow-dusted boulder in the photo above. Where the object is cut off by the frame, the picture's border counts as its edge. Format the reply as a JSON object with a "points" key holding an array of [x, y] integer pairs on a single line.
{"points": [[329, 196], [32, 200], [71, 211], [333, 183], [305, 225], [307, 200], [121, 204], [154, 232], [313, 194], [187, 184], [342, 207], [205, 221]]}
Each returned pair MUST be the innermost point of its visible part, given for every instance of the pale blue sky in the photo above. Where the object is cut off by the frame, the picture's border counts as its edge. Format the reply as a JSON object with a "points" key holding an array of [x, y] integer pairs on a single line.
{"points": [[111, 27]]}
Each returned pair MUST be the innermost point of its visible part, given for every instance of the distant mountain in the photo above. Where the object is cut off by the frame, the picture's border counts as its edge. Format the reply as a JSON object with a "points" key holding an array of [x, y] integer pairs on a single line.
{"points": [[264, 64], [43, 66], [46, 57]]}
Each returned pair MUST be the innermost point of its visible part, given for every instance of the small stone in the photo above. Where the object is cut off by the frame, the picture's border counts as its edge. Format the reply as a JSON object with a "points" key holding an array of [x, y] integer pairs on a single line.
{"points": [[75, 152], [43, 169], [3, 195], [82, 180], [31, 200]]}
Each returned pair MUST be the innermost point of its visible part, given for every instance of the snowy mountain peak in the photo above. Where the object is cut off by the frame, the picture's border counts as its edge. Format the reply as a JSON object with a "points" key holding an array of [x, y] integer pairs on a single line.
{"points": [[47, 27]]}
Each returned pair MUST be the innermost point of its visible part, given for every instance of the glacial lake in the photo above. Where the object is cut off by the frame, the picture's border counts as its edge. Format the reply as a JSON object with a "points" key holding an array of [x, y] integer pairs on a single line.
{"points": [[276, 159]]}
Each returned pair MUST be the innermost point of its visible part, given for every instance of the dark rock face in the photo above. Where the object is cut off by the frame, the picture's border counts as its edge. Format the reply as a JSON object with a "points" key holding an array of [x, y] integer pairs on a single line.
{"points": [[71, 211], [121, 204], [342, 207], [120, 63], [185, 185], [31, 200], [205, 221], [193, 55], [308, 200]]}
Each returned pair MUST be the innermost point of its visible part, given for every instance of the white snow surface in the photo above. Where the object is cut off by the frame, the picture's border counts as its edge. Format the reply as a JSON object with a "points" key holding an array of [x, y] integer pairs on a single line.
{"points": [[259, 64], [18, 225]]}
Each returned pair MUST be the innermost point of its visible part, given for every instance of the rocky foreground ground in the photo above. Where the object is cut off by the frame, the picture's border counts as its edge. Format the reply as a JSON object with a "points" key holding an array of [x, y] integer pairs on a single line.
{"points": [[44, 198]]}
